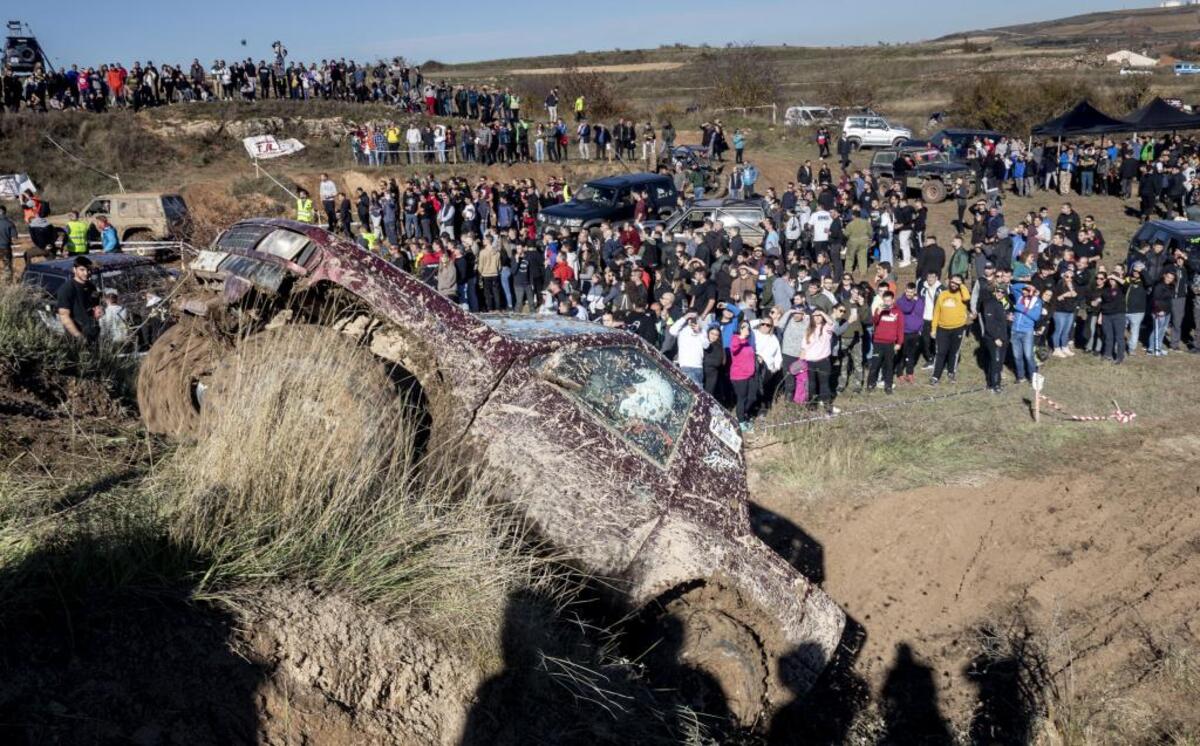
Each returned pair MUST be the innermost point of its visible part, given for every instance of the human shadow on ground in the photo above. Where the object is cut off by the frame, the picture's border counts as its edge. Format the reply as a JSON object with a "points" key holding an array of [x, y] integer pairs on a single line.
{"points": [[562, 683], [100, 643], [1009, 676], [909, 703]]}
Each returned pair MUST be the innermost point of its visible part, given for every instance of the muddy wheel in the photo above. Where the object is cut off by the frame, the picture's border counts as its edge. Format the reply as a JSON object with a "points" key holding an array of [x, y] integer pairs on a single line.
{"points": [[353, 386], [933, 192], [179, 361], [719, 663]]}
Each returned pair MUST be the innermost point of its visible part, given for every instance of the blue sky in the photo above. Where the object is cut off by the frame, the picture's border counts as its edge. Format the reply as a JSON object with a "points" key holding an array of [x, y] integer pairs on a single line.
{"points": [[465, 30]]}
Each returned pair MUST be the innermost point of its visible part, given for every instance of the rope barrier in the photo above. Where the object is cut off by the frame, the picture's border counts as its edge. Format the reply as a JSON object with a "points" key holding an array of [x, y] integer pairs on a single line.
{"points": [[1117, 415], [869, 410]]}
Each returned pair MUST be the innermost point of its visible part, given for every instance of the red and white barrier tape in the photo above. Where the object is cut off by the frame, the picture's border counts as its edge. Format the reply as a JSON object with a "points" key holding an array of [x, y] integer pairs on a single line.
{"points": [[1118, 415]]}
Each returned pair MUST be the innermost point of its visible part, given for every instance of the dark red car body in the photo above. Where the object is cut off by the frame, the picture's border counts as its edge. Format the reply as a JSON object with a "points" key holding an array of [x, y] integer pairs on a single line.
{"points": [[651, 497]]}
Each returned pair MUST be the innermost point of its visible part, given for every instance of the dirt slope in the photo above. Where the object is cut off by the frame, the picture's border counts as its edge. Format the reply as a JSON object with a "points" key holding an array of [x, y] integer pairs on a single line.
{"points": [[1104, 563]]}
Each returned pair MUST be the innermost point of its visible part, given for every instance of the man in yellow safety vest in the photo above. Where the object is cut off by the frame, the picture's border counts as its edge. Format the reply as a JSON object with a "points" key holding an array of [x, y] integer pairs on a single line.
{"points": [[579, 109], [304, 207], [77, 230]]}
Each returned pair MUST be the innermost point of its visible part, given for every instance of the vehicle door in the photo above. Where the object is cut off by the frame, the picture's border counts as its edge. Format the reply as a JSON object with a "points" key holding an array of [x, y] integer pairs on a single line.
{"points": [[876, 132], [623, 204], [882, 162]]}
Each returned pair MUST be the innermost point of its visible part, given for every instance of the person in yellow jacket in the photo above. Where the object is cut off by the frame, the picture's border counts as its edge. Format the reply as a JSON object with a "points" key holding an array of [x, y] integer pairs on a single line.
{"points": [[579, 109], [393, 143], [77, 230], [304, 207], [951, 314]]}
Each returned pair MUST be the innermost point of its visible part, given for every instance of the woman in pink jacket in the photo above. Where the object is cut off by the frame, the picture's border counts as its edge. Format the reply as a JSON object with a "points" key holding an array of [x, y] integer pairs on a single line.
{"points": [[741, 373], [818, 350]]}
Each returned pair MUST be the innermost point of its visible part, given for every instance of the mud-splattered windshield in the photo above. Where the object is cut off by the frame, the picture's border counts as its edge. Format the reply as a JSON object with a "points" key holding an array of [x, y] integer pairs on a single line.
{"points": [[629, 391]]}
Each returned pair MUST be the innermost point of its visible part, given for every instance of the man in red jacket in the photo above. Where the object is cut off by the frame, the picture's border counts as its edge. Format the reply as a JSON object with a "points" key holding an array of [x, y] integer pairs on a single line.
{"points": [[888, 336]]}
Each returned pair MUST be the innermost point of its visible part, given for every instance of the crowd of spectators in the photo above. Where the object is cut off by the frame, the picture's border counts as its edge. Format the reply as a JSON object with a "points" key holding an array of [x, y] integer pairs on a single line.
{"points": [[817, 310]]}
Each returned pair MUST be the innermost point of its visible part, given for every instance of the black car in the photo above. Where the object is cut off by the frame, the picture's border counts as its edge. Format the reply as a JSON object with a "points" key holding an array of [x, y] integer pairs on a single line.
{"points": [[956, 142], [610, 199], [934, 173], [138, 280]]}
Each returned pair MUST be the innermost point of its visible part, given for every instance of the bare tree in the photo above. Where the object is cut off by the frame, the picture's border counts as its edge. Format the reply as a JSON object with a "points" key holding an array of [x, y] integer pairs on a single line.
{"points": [[740, 75]]}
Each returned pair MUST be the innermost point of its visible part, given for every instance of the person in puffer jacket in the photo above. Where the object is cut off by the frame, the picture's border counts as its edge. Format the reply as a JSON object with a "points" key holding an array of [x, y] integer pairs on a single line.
{"points": [[912, 307]]}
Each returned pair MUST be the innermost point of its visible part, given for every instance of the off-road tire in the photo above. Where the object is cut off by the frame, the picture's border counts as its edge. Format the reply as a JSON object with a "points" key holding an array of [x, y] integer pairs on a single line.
{"points": [[933, 192], [719, 663], [899, 141], [184, 354], [855, 144], [346, 404]]}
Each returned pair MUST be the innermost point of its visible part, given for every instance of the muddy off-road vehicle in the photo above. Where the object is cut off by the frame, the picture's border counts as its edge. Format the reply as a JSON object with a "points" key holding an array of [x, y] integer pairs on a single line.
{"points": [[614, 456], [933, 173], [139, 217]]}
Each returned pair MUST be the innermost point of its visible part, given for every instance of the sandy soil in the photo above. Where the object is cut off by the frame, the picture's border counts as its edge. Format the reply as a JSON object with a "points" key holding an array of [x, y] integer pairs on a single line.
{"points": [[1104, 563]]}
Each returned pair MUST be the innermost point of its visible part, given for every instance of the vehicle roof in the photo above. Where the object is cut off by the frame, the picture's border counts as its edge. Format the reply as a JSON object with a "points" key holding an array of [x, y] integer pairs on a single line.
{"points": [[544, 327], [620, 180], [712, 204], [1176, 226], [102, 262]]}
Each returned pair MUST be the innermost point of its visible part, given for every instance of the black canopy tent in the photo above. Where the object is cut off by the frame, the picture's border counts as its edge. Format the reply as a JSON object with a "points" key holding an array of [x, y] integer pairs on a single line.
{"points": [[1159, 116], [1083, 119]]}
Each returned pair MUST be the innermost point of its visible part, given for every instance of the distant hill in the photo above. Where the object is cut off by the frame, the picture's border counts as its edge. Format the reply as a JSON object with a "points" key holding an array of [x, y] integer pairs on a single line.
{"points": [[1145, 27]]}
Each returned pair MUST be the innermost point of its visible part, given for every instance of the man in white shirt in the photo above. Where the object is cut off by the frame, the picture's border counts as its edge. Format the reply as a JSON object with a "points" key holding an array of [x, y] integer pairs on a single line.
{"points": [[413, 138], [820, 223], [328, 192], [692, 341]]}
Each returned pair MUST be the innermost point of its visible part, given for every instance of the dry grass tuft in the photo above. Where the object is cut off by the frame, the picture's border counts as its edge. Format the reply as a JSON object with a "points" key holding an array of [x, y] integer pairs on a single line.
{"points": [[312, 472]]}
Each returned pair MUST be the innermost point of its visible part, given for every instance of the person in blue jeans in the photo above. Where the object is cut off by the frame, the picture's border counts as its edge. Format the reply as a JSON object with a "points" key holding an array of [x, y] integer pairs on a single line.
{"points": [[1066, 302], [1160, 307], [1136, 299], [1112, 319], [1026, 312]]}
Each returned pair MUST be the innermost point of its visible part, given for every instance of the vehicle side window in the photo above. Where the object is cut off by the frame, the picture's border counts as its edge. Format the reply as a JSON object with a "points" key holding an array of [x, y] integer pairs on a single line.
{"points": [[878, 124], [629, 391], [694, 220], [857, 122], [743, 219], [174, 207], [98, 207], [49, 283], [663, 194]]}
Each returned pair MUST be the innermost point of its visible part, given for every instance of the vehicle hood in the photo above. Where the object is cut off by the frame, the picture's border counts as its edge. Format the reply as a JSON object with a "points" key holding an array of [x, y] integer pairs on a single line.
{"points": [[942, 168], [573, 209]]}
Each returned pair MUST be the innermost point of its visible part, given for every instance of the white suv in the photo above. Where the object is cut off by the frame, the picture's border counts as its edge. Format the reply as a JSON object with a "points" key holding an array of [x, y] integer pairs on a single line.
{"points": [[869, 131]]}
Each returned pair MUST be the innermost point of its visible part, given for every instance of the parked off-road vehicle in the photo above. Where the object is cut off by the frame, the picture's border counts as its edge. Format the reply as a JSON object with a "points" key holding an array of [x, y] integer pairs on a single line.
{"points": [[746, 215], [140, 284], [873, 131], [609, 199], [696, 158], [933, 172], [615, 458], [139, 217]]}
